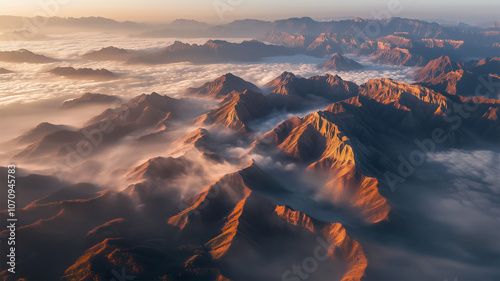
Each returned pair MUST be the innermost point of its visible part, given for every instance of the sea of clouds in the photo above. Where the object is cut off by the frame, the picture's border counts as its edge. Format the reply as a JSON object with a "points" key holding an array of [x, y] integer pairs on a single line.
{"points": [[449, 218], [31, 82], [456, 192], [31, 95]]}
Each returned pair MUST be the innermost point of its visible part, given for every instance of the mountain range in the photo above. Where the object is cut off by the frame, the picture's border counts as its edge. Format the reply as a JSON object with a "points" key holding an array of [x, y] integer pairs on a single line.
{"points": [[262, 177], [446, 76], [84, 73], [23, 55], [90, 99], [213, 51], [340, 63], [329, 195], [399, 41]]}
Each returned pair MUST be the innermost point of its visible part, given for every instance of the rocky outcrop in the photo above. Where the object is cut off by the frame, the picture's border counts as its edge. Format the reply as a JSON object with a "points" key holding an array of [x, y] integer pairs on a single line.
{"points": [[340, 63], [222, 86]]}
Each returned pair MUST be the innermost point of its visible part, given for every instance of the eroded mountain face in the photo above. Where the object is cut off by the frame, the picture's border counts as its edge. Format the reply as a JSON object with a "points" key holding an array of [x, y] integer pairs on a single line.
{"points": [[325, 196], [454, 78]]}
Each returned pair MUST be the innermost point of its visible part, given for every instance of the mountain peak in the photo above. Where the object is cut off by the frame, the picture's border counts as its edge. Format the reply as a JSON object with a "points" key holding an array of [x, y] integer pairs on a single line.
{"points": [[387, 91], [178, 45], [223, 86], [113, 49], [322, 140], [445, 59], [41, 130], [288, 90], [229, 75], [435, 68], [90, 99], [216, 43], [237, 109], [84, 73], [285, 76], [5, 71], [340, 63], [23, 55], [154, 100], [109, 53], [200, 138]]}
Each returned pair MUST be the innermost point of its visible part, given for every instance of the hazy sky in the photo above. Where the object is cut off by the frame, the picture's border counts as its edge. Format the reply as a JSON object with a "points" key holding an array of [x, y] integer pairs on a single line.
{"points": [[226, 10]]}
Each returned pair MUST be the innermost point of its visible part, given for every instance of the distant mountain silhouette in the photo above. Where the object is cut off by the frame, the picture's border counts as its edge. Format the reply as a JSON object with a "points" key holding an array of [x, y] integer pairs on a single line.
{"points": [[90, 99], [23, 35], [72, 24], [40, 131], [84, 73], [213, 51], [23, 55], [340, 63], [5, 71], [108, 54]]}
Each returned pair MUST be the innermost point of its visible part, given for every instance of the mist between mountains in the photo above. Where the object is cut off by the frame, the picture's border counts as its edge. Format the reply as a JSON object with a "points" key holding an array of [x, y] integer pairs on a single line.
{"points": [[374, 28], [297, 272], [94, 137], [257, 178], [454, 117], [33, 26], [311, 263]]}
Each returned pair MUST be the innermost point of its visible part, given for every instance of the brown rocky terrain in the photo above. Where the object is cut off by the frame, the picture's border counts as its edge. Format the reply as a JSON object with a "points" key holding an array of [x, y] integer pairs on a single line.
{"points": [[453, 78], [237, 109], [222, 86], [289, 91], [340, 63], [317, 191]]}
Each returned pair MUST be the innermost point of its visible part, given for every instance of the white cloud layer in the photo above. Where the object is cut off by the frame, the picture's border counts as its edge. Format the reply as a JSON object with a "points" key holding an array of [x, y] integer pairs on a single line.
{"points": [[31, 82], [470, 182]]}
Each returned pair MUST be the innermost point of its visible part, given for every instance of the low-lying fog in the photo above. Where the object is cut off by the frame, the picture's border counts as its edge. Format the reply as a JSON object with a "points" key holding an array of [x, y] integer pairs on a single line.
{"points": [[30, 95], [30, 82]]}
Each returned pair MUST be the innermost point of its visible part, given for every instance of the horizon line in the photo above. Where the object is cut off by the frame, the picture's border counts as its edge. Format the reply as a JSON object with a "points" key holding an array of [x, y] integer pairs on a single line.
{"points": [[317, 19]]}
